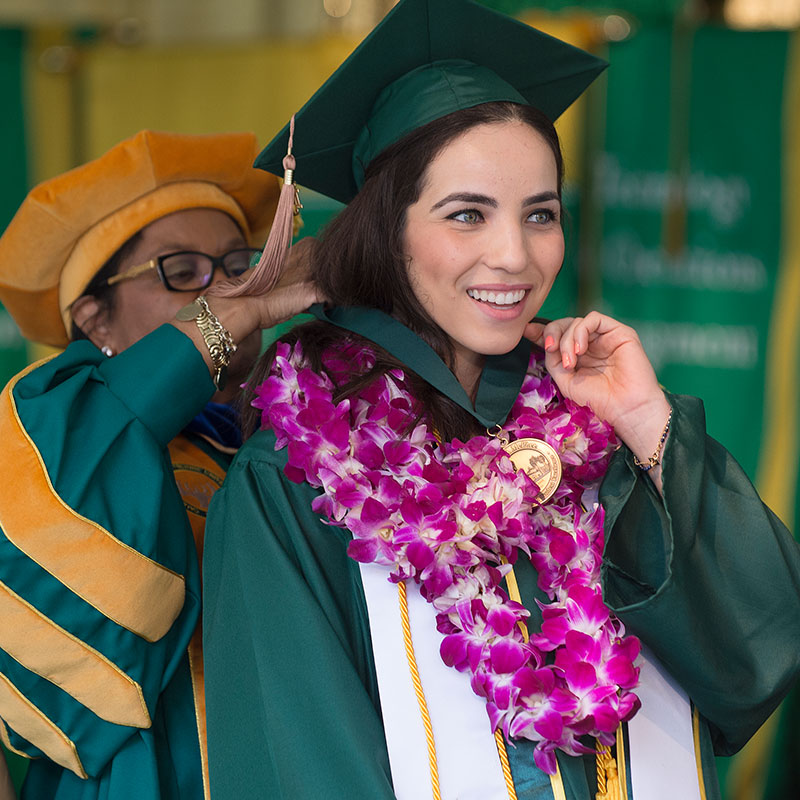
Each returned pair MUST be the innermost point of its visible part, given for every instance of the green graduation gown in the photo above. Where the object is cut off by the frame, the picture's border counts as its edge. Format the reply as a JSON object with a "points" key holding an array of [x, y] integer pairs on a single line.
{"points": [[708, 578], [99, 574]]}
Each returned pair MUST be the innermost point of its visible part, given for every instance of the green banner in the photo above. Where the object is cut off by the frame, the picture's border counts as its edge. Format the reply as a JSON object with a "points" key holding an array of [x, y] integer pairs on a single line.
{"points": [[699, 253], [13, 350], [690, 185]]}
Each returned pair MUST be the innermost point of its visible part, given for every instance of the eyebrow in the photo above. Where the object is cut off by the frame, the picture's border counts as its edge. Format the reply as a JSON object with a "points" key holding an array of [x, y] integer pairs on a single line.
{"points": [[174, 247], [541, 197], [485, 200]]}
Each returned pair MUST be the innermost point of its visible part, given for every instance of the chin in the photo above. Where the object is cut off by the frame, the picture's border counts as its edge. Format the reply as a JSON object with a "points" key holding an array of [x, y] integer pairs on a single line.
{"points": [[497, 345]]}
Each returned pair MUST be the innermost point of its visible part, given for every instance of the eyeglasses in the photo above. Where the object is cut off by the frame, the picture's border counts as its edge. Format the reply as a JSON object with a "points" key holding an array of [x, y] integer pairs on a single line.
{"points": [[189, 271]]}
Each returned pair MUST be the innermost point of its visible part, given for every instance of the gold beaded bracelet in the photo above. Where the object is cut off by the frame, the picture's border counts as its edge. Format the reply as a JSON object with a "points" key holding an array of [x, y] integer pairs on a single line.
{"points": [[217, 337], [656, 457]]}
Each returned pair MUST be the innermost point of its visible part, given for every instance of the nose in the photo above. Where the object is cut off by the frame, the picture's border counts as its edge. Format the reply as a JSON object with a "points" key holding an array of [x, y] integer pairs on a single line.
{"points": [[508, 248], [218, 275]]}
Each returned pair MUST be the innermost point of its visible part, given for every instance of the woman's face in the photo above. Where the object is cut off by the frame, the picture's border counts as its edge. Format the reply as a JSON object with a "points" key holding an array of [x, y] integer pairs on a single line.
{"points": [[484, 241], [143, 303]]}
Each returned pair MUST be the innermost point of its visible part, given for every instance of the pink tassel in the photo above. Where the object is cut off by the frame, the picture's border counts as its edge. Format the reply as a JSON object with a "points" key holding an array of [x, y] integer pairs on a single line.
{"points": [[263, 277]]}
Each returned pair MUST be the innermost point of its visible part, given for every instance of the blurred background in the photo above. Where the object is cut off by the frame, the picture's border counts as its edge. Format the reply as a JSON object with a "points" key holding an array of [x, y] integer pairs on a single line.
{"points": [[683, 183]]}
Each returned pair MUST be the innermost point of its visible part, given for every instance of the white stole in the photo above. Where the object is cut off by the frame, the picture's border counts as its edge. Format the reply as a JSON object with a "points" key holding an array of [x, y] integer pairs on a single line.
{"points": [[663, 763], [466, 752], [662, 754]]}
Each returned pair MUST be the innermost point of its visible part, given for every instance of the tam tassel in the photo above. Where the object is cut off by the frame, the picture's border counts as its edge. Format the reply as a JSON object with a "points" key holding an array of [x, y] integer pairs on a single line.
{"points": [[266, 273]]}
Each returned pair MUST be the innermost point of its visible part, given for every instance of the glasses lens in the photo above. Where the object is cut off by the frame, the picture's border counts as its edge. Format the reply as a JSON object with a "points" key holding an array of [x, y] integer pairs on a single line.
{"points": [[187, 271], [238, 261]]}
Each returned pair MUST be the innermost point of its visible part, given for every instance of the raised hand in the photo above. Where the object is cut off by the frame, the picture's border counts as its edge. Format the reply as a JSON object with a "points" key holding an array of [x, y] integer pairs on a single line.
{"points": [[597, 361]]}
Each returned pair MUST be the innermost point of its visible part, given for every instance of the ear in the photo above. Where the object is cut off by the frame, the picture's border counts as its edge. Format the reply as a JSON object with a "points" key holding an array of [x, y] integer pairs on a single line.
{"points": [[91, 316]]}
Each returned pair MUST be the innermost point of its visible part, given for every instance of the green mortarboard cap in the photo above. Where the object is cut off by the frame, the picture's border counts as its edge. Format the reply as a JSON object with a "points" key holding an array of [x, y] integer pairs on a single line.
{"points": [[426, 59]]}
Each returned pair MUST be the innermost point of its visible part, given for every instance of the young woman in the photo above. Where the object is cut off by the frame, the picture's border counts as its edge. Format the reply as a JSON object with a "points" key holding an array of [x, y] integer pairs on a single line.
{"points": [[110, 452], [451, 564]]}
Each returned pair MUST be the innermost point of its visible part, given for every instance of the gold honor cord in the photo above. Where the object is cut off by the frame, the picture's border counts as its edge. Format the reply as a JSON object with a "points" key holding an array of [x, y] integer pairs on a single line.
{"points": [[423, 706], [503, 753]]}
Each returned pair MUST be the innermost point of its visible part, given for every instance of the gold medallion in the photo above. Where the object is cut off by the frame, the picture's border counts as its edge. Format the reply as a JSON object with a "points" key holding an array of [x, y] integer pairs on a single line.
{"points": [[539, 461]]}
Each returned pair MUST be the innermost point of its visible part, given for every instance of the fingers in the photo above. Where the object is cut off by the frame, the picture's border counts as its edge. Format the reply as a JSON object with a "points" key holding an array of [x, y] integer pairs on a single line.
{"points": [[571, 337], [284, 302], [298, 264], [533, 331]]}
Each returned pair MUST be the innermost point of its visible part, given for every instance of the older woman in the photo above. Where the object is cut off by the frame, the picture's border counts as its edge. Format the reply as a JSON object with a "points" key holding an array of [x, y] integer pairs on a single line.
{"points": [[451, 564], [111, 452]]}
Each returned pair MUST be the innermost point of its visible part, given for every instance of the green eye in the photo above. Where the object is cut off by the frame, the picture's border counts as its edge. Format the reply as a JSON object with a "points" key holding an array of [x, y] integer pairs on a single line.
{"points": [[542, 216], [471, 216]]}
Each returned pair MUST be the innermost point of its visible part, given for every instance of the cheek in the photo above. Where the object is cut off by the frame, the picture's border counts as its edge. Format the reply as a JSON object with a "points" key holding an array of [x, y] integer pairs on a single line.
{"points": [[551, 255], [437, 261], [141, 311]]}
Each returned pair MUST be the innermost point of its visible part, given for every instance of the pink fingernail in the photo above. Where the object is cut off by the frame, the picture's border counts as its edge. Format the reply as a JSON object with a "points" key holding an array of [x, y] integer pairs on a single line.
{"points": [[548, 342]]}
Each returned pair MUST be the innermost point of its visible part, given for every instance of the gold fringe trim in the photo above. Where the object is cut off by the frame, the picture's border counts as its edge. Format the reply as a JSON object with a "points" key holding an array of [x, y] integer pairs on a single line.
{"points": [[608, 781]]}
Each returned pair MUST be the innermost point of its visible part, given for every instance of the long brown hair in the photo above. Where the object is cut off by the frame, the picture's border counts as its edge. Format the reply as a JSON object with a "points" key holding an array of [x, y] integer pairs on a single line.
{"points": [[359, 259]]}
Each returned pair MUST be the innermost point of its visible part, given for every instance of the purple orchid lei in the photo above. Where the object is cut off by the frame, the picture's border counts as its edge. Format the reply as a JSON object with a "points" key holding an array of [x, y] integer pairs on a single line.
{"points": [[453, 517]]}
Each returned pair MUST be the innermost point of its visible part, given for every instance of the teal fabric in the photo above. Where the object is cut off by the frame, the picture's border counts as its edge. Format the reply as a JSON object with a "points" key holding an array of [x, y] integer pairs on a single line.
{"points": [[716, 554], [708, 578], [102, 426], [500, 382]]}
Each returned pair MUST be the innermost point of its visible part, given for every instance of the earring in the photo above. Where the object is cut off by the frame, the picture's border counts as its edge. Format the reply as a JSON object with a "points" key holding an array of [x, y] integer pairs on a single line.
{"points": [[106, 351]]}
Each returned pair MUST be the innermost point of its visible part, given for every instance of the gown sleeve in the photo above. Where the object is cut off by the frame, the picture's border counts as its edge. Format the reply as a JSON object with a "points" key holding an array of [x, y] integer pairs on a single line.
{"points": [[99, 581], [290, 686], [708, 578]]}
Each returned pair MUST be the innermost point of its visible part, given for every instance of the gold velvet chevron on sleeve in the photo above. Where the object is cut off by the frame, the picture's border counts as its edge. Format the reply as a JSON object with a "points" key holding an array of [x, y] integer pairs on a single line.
{"points": [[31, 723], [105, 572]]}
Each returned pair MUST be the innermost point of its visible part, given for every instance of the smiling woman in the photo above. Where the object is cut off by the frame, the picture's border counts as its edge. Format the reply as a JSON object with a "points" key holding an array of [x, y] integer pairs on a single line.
{"points": [[449, 564], [484, 241]]}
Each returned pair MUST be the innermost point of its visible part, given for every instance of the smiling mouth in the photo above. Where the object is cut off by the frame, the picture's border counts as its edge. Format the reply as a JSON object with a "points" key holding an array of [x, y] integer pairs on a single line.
{"points": [[498, 299]]}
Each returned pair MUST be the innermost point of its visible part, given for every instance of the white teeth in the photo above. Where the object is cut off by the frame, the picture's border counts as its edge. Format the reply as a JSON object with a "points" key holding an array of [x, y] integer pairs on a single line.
{"points": [[497, 298]]}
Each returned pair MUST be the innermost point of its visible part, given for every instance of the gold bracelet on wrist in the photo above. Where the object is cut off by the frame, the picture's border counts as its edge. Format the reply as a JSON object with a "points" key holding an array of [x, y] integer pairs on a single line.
{"points": [[656, 457], [217, 337]]}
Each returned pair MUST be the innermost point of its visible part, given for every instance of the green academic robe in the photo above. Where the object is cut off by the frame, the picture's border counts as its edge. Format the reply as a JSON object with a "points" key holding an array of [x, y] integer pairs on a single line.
{"points": [[708, 578], [99, 575]]}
